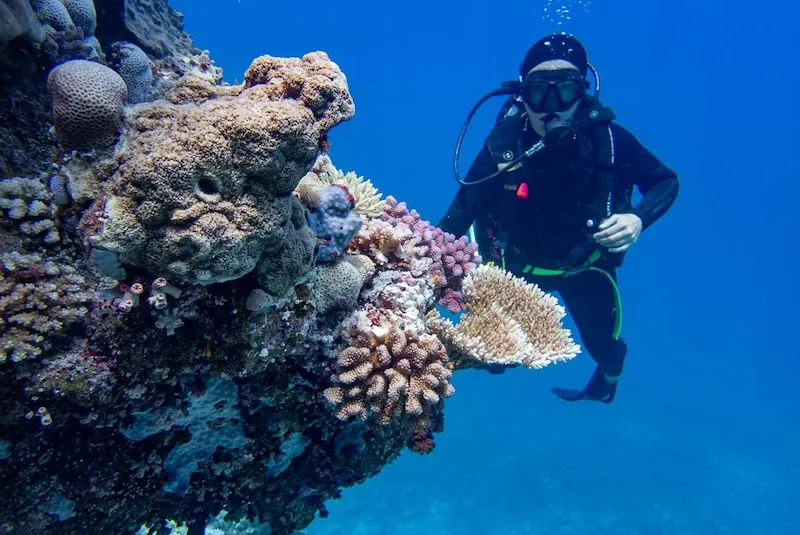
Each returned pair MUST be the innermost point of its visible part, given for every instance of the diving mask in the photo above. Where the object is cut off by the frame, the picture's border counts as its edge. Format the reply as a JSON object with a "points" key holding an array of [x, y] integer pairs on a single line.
{"points": [[553, 91]]}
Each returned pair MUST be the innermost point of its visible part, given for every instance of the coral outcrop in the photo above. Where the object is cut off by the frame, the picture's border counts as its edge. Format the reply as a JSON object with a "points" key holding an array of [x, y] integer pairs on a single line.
{"points": [[201, 192], [204, 321]]}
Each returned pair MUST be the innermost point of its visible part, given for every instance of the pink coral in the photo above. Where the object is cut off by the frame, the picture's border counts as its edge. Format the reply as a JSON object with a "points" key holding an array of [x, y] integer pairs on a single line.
{"points": [[451, 258]]}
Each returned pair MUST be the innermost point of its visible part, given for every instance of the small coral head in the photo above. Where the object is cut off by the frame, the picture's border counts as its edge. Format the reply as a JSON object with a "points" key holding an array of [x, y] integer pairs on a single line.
{"points": [[137, 288], [160, 282]]}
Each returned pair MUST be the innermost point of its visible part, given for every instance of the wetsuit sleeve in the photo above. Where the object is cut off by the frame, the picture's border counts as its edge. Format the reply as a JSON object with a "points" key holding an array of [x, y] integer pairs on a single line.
{"points": [[639, 168], [470, 201]]}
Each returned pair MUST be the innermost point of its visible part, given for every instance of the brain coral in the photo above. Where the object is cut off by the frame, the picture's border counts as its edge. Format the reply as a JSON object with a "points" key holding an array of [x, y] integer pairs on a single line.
{"points": [[88, 104], [201, 190], [133, 65]]}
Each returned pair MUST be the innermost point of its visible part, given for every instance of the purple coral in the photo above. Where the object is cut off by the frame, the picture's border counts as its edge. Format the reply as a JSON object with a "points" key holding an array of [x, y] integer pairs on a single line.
{"points": [[451, 258], [334, 222]]}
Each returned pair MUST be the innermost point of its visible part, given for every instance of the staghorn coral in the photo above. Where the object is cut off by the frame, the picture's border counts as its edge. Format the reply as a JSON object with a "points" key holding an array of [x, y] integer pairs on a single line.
{"points": [[201, 193], [88, 101], [388, 372], [39, 299], [507, 321], [367, 198]]}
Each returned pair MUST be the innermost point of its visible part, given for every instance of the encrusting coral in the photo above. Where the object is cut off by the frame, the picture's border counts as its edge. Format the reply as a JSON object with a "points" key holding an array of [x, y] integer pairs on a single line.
{"points": [[507, 321]]}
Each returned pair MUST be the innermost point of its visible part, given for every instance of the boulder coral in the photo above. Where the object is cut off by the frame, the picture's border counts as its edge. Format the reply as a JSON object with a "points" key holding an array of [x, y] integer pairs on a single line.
{"points": [[201, 192], [88, 101]]}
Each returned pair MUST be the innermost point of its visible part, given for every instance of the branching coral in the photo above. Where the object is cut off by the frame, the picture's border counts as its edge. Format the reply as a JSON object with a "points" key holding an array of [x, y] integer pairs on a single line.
{"points": [[388, 372], [450, 259], [507, 321], [28, 202], [39, 300]]}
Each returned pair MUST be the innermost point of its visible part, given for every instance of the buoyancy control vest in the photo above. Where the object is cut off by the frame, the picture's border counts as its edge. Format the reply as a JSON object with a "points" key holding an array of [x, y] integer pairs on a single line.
{"points": [[496, 232]]}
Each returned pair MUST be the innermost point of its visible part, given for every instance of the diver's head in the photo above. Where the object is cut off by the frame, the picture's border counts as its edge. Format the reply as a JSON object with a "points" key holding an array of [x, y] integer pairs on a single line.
{"points": [[553, 81]]}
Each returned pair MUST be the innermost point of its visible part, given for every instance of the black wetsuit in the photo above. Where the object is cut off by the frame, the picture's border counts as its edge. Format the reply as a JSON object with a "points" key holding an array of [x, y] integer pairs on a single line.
{"points": [[543, 228]]}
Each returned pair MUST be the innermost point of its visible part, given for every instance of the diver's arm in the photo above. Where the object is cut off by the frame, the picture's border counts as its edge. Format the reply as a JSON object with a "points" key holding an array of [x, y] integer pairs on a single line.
{"points": [[468, 201], [638, 167]]}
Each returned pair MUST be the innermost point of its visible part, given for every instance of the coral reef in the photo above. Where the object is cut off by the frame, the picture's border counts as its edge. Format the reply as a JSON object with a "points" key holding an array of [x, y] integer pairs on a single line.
{"points": [[508, 321], [204, 321]]}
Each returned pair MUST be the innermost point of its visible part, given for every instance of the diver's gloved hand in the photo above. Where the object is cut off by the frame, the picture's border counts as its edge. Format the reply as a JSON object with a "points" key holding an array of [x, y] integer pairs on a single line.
{"points": [[601, 387]]}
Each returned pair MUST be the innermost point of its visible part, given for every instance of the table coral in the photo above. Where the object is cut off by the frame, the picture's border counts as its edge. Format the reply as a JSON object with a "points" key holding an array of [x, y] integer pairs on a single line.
{"points": [[507, 321]]}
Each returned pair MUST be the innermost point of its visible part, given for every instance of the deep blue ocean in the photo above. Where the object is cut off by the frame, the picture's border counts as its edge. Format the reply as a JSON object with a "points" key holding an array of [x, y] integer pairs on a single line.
{"points": [[704, 434]]}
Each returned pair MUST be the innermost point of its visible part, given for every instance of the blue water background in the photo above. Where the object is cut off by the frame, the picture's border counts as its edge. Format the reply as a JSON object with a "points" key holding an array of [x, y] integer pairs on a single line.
{"points": [[704, 435]]}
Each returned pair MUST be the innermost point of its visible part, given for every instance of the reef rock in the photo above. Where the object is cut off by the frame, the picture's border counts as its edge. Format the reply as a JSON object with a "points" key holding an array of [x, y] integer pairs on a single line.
{"points": [[200, 192]]}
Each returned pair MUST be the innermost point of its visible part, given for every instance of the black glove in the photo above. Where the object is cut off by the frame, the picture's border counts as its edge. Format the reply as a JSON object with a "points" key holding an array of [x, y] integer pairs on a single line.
{"points": [[600, 387]]}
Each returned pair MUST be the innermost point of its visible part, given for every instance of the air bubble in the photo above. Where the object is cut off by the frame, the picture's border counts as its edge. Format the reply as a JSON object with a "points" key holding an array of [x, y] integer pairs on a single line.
{"points": [[559, 12]]}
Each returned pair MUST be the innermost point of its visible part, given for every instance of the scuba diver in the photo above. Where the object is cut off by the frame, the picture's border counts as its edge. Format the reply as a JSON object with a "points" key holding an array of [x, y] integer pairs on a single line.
{"points": [[549, 198]]}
